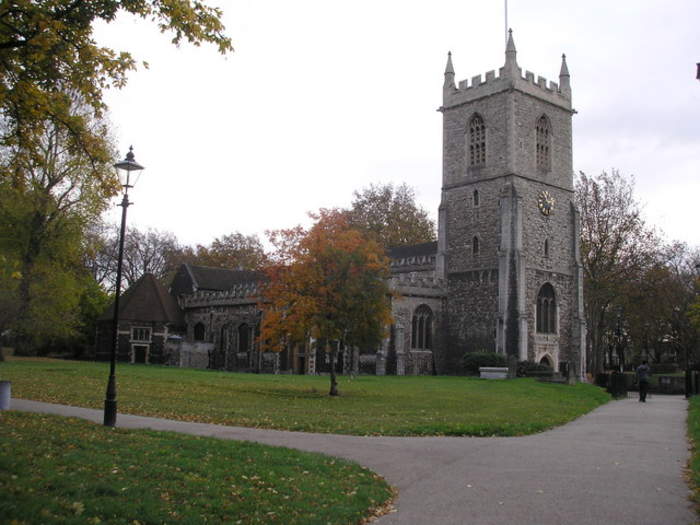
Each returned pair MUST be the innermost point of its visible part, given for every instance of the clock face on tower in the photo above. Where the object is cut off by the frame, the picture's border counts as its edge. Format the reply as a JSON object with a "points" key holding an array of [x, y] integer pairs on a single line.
{"points": [[545, 202]]}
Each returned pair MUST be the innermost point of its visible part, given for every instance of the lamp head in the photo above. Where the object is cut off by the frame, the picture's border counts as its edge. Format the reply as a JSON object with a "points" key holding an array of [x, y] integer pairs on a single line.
{"points": [[128, 165]]}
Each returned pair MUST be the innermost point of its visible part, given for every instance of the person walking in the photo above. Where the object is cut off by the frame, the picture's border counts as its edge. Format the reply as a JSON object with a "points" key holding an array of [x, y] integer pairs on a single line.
{"points": [[643, 373]]}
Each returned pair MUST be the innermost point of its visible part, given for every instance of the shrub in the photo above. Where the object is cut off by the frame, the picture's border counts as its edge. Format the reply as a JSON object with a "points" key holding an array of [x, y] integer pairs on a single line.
{"points": [[528, 368], [473, 360]]}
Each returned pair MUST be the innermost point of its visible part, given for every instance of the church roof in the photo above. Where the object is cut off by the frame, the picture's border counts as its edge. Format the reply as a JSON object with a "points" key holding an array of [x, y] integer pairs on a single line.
{"points": [[221, 279], [146, 300], [415, 250]]}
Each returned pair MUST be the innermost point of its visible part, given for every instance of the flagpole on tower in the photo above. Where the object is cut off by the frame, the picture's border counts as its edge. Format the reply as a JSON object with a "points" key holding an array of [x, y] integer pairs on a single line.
{"points": [[506, 27]]}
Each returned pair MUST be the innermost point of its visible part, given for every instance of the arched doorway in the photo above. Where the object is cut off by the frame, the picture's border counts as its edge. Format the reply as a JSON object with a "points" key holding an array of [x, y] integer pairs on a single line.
{"points": [[547, 361]]}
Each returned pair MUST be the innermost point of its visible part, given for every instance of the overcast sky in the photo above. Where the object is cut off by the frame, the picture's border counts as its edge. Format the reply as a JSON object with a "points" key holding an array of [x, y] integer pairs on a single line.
{"points": [[322, 98]]}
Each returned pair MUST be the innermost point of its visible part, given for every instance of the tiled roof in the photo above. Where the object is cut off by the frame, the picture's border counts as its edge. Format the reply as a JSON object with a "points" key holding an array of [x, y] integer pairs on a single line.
{"points": [[416, 250], [221, 279], [148, 301]]}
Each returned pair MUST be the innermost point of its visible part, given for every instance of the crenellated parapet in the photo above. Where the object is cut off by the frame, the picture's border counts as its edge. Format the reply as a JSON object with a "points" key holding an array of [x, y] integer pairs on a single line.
{"points": [[510, 76], [412, 263], [239, 294], [490, 79], [417, 283]]}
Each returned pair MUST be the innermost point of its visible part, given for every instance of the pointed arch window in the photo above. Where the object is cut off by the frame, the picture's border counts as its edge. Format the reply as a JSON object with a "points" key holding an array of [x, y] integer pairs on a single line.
{"points": [[422, 328], [475, 198], [546, 310], [475, 245], [544, 133], [546, 247], [477, 141], [243, 338], [199, 332]]}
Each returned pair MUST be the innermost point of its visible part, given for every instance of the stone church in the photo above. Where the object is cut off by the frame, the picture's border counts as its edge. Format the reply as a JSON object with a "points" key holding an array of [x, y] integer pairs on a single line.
{"points": [[505, 274], [508, 248]]}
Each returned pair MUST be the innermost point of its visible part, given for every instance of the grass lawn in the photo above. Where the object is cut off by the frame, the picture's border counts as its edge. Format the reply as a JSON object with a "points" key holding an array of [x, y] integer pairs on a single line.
{"points": [[65, 470], [368, 405], [694, 436]]}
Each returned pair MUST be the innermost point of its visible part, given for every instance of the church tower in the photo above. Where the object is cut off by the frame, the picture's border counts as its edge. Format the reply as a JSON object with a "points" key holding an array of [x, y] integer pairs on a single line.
{"points": [[508, 240]]}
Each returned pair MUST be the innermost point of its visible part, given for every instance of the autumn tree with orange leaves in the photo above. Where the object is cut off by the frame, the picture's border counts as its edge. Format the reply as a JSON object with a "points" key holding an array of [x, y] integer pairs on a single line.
{"points": [[329, 283]]}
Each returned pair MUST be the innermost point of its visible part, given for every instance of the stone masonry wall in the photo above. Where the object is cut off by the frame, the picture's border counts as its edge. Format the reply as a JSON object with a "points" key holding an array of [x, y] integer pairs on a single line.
{"points": [[510, 108]]}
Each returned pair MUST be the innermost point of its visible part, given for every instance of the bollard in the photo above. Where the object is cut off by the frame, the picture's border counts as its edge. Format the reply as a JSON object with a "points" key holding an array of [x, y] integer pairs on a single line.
{"points": [[5, 395]]}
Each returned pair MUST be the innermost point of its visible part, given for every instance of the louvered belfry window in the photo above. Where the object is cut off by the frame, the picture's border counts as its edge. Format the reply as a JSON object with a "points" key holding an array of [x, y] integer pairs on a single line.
{"points": [[477, 141], [544, 132]]}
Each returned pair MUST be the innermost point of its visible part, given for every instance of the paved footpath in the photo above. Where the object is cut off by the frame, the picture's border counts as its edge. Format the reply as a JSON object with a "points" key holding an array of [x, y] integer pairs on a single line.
{"points": [[621, 464]]}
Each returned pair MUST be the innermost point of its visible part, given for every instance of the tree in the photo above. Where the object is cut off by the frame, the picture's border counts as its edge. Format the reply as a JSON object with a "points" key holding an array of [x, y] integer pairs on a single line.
{"points": [[616, 248], [48, 56], [328, 283], [390, 215], [45, 205], [694, 310], [683, 336], [233, 251], [151, 251], [9, 303], [160, 253]]}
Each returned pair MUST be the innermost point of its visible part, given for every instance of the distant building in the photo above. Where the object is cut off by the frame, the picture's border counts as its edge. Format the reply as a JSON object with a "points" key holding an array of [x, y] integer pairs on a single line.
{"points": [[148, 315], [505, 275]]}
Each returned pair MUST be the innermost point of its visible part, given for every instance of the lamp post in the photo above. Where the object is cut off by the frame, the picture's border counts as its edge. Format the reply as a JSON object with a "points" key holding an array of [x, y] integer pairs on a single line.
{"points": [[127, 165], [689, 387]]}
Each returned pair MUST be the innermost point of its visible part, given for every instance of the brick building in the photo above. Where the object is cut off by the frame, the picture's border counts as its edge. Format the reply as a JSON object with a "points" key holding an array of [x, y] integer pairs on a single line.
{"points": [[148, 315]]}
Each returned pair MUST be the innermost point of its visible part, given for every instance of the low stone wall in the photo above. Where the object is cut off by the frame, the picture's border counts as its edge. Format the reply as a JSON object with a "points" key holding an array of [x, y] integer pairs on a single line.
{"points": [[187, 355]]}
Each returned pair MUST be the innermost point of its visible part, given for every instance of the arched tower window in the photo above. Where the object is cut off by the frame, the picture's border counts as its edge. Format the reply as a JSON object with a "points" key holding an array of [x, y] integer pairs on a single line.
{"points": [[422, 328], [475, 245], [199, 332], [544, 132], [546, 247], [546, 310], [475, 198], [477, 141]]}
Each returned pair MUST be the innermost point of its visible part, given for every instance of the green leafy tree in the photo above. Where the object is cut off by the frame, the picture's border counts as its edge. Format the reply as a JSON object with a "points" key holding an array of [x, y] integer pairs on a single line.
{"points": [[694, 310], [56, 154], [329, 283], [389, 215], [48, 57], [44, 207], [9, 284]]}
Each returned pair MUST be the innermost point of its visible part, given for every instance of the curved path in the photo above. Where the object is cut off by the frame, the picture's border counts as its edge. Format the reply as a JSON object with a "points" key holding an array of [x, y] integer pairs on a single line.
{"points": [[622, 463]]}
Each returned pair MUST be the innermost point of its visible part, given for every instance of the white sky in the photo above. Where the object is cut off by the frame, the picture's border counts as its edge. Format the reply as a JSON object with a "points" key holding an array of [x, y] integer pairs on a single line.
{"points": [[322, 98]]}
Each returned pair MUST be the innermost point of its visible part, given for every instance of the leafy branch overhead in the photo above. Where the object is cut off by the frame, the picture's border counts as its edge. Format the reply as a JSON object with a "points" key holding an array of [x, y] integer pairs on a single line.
{"points": [[56, 154], [48, 55]]}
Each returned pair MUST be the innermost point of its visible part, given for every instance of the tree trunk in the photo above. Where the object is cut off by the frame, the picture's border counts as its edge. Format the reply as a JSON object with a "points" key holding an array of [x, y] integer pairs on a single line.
{"points": [[334, 381]]}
